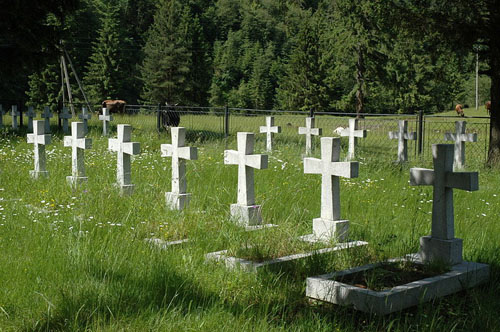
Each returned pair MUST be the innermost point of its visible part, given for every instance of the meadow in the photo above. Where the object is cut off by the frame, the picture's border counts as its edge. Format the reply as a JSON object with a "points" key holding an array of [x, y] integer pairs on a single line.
{"points": [[78, 259]]}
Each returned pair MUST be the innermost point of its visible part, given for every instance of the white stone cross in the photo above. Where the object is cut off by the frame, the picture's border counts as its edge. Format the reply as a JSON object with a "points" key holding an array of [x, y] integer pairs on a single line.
{"points": [[14, 114], [31, 114], [245, 211], [105, 117], [442, 244], [353, 133], [65, 115], [39, 139], [47, 114], [78, 144], [460, 137], [309, 131], [178, 198], [269, 129], [124, 149], [85, 116], [329, 225], [402, 136]]}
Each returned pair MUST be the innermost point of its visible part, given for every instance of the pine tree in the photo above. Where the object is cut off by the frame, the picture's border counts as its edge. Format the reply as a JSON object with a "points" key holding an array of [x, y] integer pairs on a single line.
{"points": [[105, 71], [166, 67], [45, 88]]}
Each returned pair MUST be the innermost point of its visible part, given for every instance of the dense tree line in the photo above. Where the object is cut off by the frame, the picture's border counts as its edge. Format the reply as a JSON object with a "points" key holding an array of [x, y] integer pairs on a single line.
{"points": [[312, 55]]}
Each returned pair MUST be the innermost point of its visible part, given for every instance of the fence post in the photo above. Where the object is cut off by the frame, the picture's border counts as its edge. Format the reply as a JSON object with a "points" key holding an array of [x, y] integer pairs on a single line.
{"points": [[311, 113], [226, 121], [420, 141], [158, 118]]}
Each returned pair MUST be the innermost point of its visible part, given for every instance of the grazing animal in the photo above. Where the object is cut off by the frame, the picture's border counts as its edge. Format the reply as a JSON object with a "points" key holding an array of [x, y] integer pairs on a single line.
{"points": [[169, 117], [114, 106], [459, 110], [488, 107]]}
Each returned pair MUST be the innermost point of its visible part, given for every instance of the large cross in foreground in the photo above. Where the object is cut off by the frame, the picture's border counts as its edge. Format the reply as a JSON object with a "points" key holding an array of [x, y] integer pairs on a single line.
{"points": [[39, 139], [329, 225], [402, 136], [78, 144], [353, 133], [269, 129], [309, 131], [460, 137], [125, 149], [442, 244], [245, 211], [178, 198]]}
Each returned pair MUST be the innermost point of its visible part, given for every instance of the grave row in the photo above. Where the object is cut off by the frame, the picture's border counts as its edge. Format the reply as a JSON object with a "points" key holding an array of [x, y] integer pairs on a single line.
{"points": [[441, 245], [105, 117]]}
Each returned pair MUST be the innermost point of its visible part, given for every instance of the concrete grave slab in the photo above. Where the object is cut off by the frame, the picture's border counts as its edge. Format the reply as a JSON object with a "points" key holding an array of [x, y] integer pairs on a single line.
{"points": [[461, 276], [250, 266]]}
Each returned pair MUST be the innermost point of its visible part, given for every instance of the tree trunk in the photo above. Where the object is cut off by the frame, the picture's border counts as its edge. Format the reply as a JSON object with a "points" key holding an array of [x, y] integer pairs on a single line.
{"points": [[360, 73], [494, 148]]}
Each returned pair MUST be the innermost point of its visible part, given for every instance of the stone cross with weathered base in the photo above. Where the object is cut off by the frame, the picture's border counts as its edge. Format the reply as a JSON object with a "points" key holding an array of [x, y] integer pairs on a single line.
{"points": [[65, 116], [39, 139], [178, 199], [78, 144], [30, 114], [245, 211], [353, 133], [105, 117], [269, 129], [402, 136], [329, 226], [14, 114], [125, 149], [460, 137], [309, 131], [47, 114], [85, 116], [441, 244]]}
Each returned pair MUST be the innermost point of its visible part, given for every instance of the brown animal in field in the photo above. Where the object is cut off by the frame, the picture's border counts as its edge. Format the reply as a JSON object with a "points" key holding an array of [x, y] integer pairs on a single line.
{"points": [[114, 106], [459, 110], [488, 107]]}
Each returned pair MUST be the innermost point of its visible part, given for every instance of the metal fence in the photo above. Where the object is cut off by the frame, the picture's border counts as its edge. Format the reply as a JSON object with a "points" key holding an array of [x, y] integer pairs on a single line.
{"points": [[216, 123]]}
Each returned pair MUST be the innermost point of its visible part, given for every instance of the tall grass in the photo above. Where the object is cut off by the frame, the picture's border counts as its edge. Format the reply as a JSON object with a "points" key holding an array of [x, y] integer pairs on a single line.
{"points": [[78, 259]]}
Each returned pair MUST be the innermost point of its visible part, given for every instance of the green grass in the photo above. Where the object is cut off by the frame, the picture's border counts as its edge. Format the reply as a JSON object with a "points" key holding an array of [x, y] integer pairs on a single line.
{"points": [[78, 260]]}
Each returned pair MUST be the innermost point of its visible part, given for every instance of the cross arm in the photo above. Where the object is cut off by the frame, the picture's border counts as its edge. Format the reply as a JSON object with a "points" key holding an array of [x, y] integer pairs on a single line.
{"points": [[84, 143], [68, 140], [421, 177], [258, 161], [312, 166], [360, 133], [469, 137], [113, 144], [449, 136], [463, 180], [231, 157], [189, 153], [166, 150], [132, 148]]}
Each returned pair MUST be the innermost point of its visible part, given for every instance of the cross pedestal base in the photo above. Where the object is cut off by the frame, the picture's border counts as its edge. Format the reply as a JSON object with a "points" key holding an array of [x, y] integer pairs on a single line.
{"points": [[449, 251], [126, 189], [177, 201], [76, 180], [325, 230], [246, 215], [38, 174]]}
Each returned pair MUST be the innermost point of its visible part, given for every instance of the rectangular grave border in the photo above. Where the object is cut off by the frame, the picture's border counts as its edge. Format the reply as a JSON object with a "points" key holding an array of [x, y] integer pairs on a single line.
{"points": [[461, 276], [232, 262]]}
